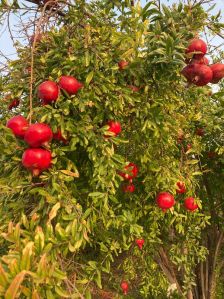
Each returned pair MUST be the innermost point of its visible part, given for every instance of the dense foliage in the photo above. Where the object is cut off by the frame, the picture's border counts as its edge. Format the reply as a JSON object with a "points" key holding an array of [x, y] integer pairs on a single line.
{"points": [[70, 233]]}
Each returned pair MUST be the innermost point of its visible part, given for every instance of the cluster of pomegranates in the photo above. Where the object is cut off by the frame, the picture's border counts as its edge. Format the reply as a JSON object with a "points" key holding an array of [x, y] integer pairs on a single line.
{"points": [[165, 200], [198, 71], [130, 172], [36, 158]]}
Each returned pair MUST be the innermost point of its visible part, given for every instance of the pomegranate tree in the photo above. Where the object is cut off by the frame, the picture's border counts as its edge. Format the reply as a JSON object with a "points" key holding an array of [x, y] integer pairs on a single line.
{"points": [[18, 124], [36, 160], [38, 135]]}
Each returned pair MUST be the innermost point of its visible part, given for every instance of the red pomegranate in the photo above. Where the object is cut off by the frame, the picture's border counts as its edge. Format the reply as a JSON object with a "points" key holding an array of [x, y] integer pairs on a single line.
{"points": [[200, 132], [211, 155], [140, 243], [181, 188], [165, 200], [131, 171], [125, 287], [197, 45], [130, 188], [218, 72], [200, 60], [133, 88], [38, 38], [190, 204], [36, 160], [58, 136], [70, 84], [18, 124], [123, 64], [199, 74], [114, 127], [48, 92], [188, 147], [14, 104], [38, 135]]}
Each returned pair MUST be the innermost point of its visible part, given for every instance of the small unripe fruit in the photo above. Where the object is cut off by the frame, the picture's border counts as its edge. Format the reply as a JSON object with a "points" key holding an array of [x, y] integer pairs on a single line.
{"points": [[123, 64], [38, 135], [114, 127], [125, 287], [36, 160], [70, 84], [165, 200], [140, 243], [18, 124], [190, 204], [131, 171], [48, 92]]}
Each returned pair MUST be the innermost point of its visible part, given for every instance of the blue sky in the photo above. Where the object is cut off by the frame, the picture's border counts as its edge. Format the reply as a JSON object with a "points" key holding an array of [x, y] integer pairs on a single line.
{"points": [[6, 45]]}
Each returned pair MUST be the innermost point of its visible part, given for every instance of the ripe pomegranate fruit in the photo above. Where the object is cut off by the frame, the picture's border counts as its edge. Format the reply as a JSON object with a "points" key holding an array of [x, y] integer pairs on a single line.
{"points": [[48, 92], [58, 136], [190, 204], [140, 243], [38, 135], [218, 72], [125, 287], [123, 64], [181, 188], [38, 38], [165, 200], [202, 60], [131, 171], [36, 160], [199, 74], [211, 155], [197, 45], [133, 88], [70, 84], [200, 132], [114, 127], [188, 147], [13, 104], [130, 188], [18, 124]]}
